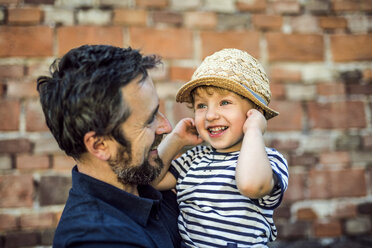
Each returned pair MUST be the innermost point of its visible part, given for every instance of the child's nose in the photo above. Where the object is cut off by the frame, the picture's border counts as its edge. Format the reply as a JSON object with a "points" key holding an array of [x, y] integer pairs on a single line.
{"points": [[212, 114]]}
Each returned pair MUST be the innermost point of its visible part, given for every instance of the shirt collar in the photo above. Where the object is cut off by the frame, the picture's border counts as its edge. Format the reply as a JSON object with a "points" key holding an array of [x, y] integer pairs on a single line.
{"points": [[138, 208]]}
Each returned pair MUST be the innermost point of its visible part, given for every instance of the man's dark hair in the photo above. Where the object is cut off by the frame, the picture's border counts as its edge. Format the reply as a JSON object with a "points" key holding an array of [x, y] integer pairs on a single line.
{"points": [[83, 93]]}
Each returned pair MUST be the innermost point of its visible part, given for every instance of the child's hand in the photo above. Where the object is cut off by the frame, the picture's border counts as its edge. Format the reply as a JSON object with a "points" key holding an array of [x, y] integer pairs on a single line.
{"points": [[255, 119], [187, 133]]}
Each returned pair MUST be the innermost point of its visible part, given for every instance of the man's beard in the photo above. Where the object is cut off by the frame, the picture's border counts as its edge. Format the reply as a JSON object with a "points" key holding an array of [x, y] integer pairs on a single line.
{"points": [[142, 174]]}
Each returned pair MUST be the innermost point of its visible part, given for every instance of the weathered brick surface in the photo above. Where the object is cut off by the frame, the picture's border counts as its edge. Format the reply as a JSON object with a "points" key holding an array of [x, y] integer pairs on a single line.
{"points": [[337, 183], [349, 114], [130, 17], [71, 37], [10, 113], [295, 47], [54, 190], [316, 53], [214, 41], [26, 162], [15, 146], [35, 120], [169, 43], [28, 16], [16, 191], [15, 41], [351, 47]]}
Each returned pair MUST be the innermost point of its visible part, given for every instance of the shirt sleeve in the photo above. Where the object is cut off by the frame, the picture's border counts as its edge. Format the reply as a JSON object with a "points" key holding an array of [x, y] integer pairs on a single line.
{"points": [[181, 165], [280, 169]]}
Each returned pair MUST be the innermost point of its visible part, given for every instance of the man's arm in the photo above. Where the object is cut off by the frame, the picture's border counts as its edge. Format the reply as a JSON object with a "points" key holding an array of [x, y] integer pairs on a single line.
{"points": [[182, 135], [254, 175]]}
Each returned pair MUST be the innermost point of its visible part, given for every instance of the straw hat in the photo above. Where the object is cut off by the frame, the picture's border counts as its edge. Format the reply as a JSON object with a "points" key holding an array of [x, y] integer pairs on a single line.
{"points": [[234, 70]]}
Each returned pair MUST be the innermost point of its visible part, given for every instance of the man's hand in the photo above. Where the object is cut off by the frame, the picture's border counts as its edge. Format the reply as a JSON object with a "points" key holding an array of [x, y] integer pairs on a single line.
{"points": [[255, 120]]}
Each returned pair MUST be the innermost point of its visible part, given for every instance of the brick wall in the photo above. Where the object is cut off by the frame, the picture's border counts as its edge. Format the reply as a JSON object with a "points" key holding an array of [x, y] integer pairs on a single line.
{"points": [[318, 55]]}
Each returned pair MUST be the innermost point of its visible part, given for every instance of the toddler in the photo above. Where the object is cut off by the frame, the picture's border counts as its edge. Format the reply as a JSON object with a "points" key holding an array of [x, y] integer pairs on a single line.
{"points": [[226, 190]]}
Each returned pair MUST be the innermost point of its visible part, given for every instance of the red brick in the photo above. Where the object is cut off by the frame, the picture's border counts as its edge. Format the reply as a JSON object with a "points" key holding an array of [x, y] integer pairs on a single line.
{"points": [[331, 89], [295, 47], [200, 19], [8, 222], [332, 22], [335, 158], [16, 191], [131, 17], [285, 145], [282, 75], [181, 110], [15, 41], [348, 114], [35, 221], [15, 146], [170, 43], [306, 214], [167, 17], [286, 7], [326, 184], [177, 73], [32, 162], [28, 238], [71, 37], [54, 190], [351, 48], [290, 117], [29, 16], [306, 159], [359, 89], [331, 228], [11, 71], [152, 3], [214, 41], [351, 5], [21, 89], [267, 22], [367, 142], [346, 210], [251, 6], [293, 230], [9, 112], [35, 120], [367, 75], [278, 91], [63, 163], [296, 187]]}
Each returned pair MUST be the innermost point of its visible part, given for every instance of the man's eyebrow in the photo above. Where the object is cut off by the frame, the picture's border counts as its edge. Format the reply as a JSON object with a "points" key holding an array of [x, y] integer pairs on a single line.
{"points": [[153, 114]]}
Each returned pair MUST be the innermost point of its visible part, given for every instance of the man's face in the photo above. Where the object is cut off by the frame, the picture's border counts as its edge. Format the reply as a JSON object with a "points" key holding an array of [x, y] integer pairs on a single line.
{"points": [[139, 162]]}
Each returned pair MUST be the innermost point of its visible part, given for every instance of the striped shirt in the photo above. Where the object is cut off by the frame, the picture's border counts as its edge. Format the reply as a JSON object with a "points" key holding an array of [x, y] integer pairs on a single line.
{"points": [[212, 211]]}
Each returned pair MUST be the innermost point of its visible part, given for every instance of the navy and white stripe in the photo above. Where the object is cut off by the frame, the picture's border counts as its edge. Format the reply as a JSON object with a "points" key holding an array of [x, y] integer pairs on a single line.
{"points": [[212, 211]]}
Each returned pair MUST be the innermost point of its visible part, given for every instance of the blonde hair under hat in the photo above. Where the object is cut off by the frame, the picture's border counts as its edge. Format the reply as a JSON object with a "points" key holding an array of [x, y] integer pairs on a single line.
{"points": [[234, 70]]}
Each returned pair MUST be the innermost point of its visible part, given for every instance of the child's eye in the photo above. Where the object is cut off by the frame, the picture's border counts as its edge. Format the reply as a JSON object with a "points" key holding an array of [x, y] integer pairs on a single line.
{"points": [[224, 102]]}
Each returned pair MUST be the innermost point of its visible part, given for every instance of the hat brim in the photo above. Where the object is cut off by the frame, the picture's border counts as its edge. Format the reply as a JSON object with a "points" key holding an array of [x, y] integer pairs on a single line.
{"points": [[184, 93]]}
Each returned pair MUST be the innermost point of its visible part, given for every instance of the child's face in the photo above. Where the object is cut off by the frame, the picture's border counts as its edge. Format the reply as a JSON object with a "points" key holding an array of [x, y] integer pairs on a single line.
{"points": [[219, 117]]}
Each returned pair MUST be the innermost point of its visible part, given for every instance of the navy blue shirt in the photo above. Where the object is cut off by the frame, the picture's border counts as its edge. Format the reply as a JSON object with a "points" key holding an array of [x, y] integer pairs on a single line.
{"points": [[97, 214]]}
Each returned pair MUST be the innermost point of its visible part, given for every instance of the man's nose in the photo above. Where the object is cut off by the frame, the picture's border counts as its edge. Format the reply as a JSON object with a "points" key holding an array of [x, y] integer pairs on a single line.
{"points": [[164, 126]]}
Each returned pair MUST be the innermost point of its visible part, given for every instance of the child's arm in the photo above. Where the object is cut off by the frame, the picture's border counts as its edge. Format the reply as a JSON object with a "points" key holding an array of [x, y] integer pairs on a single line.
{"points": [[254, 175], [182, 135]]}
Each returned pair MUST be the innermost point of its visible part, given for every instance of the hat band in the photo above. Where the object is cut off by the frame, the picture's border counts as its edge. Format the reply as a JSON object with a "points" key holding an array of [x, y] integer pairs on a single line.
{"points": [[255, 95]]}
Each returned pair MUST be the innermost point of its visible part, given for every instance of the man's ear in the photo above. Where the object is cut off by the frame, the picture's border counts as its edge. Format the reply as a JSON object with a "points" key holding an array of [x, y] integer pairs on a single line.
{"points": [[97, 146]]}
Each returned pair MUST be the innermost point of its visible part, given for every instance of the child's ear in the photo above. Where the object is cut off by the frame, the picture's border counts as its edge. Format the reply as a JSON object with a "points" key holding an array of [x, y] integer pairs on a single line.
{"points": [[97, 146]]}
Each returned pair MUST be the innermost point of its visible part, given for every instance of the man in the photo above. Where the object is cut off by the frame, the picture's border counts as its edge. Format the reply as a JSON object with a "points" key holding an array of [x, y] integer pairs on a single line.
{"points": [[103, 110]]}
